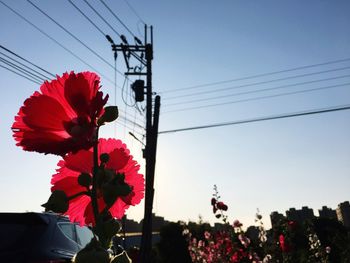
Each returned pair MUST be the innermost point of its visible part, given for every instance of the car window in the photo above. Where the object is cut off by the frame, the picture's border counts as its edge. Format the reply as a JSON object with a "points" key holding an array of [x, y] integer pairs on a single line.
{"points": [[67, 229], [84, 235]]}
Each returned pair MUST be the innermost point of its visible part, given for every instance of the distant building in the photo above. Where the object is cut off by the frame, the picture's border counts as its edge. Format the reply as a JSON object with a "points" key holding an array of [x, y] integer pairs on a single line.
{"points": [[157, 222], [326, 212], [131, 226], [276, 218], [301, 215], [343, 213]]}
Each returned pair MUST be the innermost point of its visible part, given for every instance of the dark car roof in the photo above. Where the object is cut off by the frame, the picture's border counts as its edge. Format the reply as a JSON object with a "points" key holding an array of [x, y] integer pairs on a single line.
{"points": [[35, 235]]}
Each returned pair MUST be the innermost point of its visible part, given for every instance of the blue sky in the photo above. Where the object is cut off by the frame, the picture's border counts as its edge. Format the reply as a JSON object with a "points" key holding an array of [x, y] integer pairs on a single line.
{"points": [[270, 165]]}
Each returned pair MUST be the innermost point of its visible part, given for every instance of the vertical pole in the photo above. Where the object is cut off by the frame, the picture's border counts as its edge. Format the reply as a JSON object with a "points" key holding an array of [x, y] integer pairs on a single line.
{"points": [[146, 241]]}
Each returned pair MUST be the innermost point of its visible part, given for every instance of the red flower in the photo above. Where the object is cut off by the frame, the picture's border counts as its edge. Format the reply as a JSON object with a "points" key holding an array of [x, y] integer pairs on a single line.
{"points": [[222, 206], [120, 161], [61, 117], [283, 244]]}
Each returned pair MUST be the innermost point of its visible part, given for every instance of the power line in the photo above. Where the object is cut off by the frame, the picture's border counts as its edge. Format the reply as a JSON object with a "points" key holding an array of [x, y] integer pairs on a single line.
{"points": [[134, 11], [274, 117], [102, 18], [58, 43], [258, 90], [259, 98], [26, 66], [131, 122], [259, 83], [21, 69], [72, 35], [258, 75], [19, 74], [31, 63], [83, 14], [120, 21]]}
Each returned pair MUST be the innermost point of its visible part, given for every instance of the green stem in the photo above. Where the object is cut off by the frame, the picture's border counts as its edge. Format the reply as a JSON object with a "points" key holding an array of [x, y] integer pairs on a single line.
{"points": [[78, 194], [94, 180]]}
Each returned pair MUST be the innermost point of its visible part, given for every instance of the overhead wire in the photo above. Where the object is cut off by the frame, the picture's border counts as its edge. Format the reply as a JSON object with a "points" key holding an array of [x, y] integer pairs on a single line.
{"points": [[26, 66], [257, 90], [72, 35], [84, 15], [19, 74], [120, 21], [273, 117], [58, 43], [134, 11], [257, 98], [22, 70], [102, 18], [69, 33], [258, 75], [258, 83], [26, 60]]}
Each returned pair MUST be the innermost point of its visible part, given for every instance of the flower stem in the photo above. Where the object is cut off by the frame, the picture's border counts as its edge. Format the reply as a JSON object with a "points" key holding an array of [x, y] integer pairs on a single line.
{"points": [[94, 180], [78, 194]]}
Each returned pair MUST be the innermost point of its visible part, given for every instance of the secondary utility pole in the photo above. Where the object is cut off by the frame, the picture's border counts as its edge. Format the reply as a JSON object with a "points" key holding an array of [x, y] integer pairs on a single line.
{"points": [[143, 54]]}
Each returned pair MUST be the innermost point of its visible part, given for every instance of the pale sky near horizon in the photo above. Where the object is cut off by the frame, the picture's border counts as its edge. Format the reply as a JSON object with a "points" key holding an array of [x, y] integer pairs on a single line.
{"points": [[271, 165]]}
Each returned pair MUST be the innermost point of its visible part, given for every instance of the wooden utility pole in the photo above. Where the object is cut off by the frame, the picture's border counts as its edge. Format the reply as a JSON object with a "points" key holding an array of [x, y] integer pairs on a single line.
{"points": [[143, 53]]}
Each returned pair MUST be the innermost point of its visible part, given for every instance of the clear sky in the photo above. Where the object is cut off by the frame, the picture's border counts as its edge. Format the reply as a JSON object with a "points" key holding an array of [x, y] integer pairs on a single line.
{"points": [[270, 165]]}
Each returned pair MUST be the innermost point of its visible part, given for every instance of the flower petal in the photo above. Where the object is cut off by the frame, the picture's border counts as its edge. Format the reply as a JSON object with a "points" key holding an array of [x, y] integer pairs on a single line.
{"points": [[78, 91]]}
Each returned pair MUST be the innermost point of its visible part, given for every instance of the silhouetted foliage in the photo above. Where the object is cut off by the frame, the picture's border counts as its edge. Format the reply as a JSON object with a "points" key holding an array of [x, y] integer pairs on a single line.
{"points": [[173, 247]]}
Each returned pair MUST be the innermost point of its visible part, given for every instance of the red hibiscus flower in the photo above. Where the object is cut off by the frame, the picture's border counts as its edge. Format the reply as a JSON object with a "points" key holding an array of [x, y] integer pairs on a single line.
{"points": [[120, 162], [61, 117]]}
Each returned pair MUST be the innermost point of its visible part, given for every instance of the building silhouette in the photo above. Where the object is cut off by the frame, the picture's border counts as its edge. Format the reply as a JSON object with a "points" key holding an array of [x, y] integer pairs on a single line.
{"points": [[301, 215], [326, 212], [276, 218], [343, 213]]}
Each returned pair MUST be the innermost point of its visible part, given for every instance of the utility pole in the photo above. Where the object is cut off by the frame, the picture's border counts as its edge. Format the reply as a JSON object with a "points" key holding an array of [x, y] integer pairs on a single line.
{"points": [[143, 54]]}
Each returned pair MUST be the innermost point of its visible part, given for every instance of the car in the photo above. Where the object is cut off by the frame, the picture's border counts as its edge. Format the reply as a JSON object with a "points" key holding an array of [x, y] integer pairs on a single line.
{"points": [[40, 238]]}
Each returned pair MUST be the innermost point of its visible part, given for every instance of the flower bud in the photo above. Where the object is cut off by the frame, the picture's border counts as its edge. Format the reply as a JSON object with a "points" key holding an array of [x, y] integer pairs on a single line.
{"points": [[222, 206], [85, 179], [104, 157], [110, 114]]}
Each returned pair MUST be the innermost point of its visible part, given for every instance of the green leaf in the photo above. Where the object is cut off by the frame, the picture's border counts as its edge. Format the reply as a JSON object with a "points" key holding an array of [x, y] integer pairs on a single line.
{"points": [[113, 186], [58, 202], [92, 253], [106, 231], [111, 114]]}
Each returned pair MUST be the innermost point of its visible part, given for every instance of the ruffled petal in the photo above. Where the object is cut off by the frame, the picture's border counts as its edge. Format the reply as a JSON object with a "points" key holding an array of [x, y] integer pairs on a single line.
{"points": [[120, 161], [118, 158], [55, 89], [62, 118], [79, 90], [81, 162], [44, 113], [77, 208], [69, 185]]}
